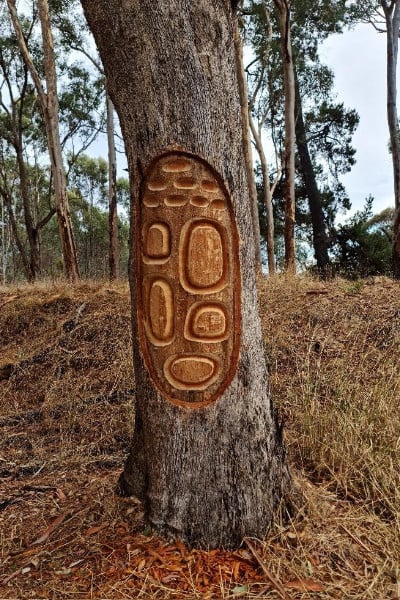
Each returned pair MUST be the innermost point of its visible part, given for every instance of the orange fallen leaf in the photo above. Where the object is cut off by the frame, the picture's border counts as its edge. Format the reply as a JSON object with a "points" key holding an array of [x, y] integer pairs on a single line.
{"points": [[96, 529], [49, 529], [304, 585]]}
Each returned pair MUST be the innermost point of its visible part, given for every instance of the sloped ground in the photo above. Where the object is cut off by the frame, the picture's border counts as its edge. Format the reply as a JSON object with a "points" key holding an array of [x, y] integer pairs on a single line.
{"points": [[66, 411]]}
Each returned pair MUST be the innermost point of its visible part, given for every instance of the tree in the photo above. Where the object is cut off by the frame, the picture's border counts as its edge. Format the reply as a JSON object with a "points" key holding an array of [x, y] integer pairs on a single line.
{"points": [[284, 7], [322, 137], [385, 17], [49, 105], [207, 456], [246, 119], [258, 111], [363, 244]]}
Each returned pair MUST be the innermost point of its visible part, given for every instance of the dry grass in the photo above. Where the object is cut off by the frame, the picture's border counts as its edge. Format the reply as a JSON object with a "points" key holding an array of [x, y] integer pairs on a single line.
{"points": [[66, 414]]}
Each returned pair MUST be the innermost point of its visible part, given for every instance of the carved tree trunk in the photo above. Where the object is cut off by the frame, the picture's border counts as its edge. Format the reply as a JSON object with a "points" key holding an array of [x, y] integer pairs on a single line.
{"points": [[283, 7], [113, 251], [207, 456]]}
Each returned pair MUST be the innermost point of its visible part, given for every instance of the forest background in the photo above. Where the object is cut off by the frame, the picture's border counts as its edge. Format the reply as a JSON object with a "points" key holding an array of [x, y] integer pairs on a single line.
{"points": [[354, 246]]}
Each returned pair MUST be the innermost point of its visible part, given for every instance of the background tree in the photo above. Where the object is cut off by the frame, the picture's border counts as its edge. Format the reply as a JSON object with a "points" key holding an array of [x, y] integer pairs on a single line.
{"points": [[49, 105], [363, 244], [323, 128], [384, 15], [284, 8], [215, 474]]}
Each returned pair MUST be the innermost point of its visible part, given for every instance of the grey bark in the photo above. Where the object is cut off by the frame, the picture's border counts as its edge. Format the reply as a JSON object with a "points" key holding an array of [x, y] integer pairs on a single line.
{"points": [[392, 17], [213, 475], [49, 105], [283, 7], [113, 250], [244, 108]]}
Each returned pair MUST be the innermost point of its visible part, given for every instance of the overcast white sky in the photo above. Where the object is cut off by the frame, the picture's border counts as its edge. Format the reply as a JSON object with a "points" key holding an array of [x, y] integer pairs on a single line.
{"points": [[358, 59]]}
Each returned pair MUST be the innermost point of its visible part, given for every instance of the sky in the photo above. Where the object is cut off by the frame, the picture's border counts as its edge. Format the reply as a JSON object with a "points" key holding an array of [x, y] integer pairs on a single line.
{"points": [[358, 59]]}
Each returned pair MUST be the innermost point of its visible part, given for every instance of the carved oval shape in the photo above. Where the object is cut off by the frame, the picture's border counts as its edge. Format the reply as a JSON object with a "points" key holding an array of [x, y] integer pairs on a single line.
{"points": [[157, 184], [199, 201], [161, 313], [209, 186], [157, 241], [218, 204], [151, 201], [203, 259], [207, 322], [191, 372], [185, 183], [177, 166], [175, 200]]}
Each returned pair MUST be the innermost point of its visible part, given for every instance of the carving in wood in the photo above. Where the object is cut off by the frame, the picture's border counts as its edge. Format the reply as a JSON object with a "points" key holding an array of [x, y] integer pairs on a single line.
{"points": [[188, 280]]}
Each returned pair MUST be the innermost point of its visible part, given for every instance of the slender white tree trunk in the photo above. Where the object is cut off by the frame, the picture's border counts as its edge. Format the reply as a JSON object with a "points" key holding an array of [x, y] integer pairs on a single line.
{"points": [[283, 7], [392, 18]]}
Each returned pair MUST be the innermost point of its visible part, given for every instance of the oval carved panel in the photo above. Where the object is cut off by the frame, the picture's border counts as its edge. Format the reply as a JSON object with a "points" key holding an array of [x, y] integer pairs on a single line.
{"points": [[188, 280], [161, 311], [191, 372], [207, 322], [156, 243], [203, 258]]}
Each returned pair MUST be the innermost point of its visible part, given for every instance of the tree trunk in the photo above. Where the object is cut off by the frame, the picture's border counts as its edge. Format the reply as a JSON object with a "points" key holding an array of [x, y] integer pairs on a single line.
{"points": [[392, 17], [244, 109], [49, 106], [26, 263], [207, 455], [267, 197], [113, 251], [320, 239], [283, 7], [31, 231], [71, 270]]}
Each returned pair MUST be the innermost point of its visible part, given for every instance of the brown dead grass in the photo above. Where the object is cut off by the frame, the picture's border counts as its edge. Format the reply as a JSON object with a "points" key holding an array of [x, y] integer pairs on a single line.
{"points": [[66, 409]]}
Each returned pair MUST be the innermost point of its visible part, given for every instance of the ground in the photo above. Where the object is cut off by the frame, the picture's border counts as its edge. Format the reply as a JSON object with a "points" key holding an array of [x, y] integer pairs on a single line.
{"points": [[66, 410]]}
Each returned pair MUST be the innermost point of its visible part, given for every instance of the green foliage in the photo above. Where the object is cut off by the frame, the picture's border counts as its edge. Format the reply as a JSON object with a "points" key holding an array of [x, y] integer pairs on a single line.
{"points": [[363, 244]]}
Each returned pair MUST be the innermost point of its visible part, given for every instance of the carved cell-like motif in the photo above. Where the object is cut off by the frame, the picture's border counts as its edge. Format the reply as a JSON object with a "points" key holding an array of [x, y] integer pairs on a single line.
{"points": [[188, 280], [207, 322], [196, 371], [157, 241], [203, 259]]}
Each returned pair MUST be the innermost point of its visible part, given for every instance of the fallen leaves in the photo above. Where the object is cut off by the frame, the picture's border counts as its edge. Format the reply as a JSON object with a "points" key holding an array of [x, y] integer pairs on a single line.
{"points": [[304, 585], [49, 530]]}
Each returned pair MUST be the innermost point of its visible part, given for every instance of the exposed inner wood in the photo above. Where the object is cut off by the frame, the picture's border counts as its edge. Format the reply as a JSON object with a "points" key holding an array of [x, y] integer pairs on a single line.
{"points": [[188, 303]]}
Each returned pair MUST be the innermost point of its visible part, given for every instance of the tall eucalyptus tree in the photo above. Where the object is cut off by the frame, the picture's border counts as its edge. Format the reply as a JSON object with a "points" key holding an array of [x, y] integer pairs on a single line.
{"points": [[48, 99]]}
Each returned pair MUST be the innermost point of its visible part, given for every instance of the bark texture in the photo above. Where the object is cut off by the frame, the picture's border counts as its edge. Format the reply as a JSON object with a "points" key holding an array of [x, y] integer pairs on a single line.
{"points": [[209, 476], [320, 239], [49, 105], [113, 251], [392, 17], [283, 7]]}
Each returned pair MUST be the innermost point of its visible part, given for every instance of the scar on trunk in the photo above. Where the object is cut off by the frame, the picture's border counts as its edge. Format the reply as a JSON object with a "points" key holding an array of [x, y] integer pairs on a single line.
{"points": [[188, 277]]}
